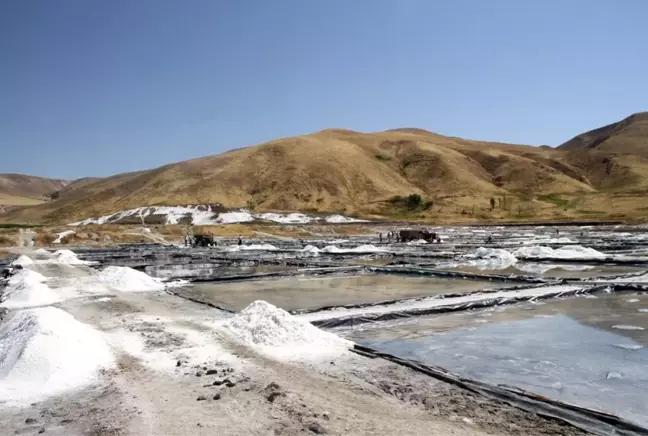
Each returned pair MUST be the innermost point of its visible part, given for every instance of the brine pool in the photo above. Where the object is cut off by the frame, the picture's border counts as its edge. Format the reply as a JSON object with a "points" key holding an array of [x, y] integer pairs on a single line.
{"points": [[313, 293], [589, 351]]}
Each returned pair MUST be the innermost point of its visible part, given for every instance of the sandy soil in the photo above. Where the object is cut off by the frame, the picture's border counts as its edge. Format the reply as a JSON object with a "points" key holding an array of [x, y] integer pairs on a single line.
{"points": [[177, 376]]}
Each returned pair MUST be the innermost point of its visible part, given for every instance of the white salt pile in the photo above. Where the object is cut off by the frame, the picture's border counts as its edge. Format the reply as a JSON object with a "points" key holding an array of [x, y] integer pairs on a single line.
{"points": [[26, 289], [45, 352], [252, 247], [66, 257], [60, 236], [491, 258], [340, 219], [22, 261], [359, 249], [241, 216], [125, 279], [574, 252], [275, 332], [310, 249], [419, 242]]}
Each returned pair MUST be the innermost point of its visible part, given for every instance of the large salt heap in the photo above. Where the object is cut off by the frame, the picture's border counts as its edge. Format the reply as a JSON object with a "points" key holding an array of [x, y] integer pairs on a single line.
{"points": [[46, 352], [125, 279], [275, 332]]}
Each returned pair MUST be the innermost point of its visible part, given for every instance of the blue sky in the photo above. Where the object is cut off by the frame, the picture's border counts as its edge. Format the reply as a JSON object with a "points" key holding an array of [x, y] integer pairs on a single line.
{"points": [[94, 88]]}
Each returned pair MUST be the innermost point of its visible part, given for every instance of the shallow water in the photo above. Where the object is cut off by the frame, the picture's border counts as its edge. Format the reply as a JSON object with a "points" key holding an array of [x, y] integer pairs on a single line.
{"points": [[313, 293], [571, 350], [561, 271]]}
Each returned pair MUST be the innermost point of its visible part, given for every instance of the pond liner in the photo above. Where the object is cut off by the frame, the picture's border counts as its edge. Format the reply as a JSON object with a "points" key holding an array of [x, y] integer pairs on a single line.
{"points": [[416, 299], [606, 261], [198, 301], [592, 421], [355, 320], [282, 274], [399, 270]]}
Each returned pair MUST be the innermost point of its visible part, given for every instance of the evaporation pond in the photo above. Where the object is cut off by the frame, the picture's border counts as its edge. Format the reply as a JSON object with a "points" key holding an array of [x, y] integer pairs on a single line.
{"points": [[555, 270], [302, 293], [586, 351]]}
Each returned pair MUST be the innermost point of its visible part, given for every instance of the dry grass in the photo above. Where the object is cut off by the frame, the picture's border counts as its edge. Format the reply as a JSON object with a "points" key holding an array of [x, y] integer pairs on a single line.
{"points": [[14, 200], [337, 171]]}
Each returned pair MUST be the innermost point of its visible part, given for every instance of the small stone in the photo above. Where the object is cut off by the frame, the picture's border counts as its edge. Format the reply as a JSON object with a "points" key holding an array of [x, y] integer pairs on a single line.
{"points": [[613, 375], [30, 421], [218, 382], [199, 374], [217, 397], [201, 398], [229, 383], [178, 363], [66, 421], [42, 430], [316, 428], [204, 368], [211, 372], [326, 416]]}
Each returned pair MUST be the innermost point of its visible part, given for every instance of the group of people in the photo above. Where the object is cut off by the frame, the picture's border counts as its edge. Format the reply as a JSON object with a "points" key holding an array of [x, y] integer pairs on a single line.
{"points": [[392, 235]]}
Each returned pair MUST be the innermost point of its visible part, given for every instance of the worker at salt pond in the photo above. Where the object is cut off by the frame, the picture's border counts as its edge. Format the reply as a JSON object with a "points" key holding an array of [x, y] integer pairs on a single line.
{"points": [[240, 240], [380, 237]]}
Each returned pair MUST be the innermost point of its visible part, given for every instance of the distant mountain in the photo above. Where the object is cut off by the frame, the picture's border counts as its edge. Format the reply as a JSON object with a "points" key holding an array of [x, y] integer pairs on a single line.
{"points": [[628, 136], [20, 190], [600, 173]]}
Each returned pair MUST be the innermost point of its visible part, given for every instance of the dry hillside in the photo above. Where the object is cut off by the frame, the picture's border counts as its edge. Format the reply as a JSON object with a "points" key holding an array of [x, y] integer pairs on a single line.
{"points": [[628, 136], [20, 190], [345, 171]]}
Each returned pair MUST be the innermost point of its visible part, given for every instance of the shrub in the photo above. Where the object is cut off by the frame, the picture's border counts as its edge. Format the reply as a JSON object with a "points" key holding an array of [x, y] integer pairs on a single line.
{"points": [[383, 157]]}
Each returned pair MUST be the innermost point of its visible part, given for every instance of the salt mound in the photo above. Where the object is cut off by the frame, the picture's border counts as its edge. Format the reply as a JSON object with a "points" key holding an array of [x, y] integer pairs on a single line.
{"points": [[46, 352], [340, 219], [241, 216], [359, 249], [60, 236], [26, 289], [419, 242], [251, 247], [22, 261], [575, 252], [265, 247], [491, 258], [274, 331], [66, 257], [127, 279], [310, 249]]}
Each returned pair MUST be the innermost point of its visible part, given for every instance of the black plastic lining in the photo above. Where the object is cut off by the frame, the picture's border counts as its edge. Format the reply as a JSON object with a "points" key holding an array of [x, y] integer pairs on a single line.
{"points": [[606, 261], [282, 274], [196, 300], [349, 321], [454, 274], [592, 421], [415, 299]]}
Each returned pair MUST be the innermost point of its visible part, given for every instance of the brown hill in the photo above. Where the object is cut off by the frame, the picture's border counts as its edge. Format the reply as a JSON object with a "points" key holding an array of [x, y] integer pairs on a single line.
{"points": [[338, 170], [20, 190], [628, 136]]}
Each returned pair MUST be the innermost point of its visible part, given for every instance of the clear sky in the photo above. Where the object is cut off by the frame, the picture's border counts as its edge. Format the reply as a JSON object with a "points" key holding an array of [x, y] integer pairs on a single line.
{"points": [[98, 87]]}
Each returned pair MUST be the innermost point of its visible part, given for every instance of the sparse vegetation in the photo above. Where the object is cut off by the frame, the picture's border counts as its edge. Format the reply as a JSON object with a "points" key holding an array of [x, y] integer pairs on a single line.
{"points": [[383, 157], [555, 199], [591, 212], [18, 226]]}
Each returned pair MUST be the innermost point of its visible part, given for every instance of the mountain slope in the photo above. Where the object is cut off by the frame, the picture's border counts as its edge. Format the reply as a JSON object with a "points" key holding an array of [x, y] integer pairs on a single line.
{"points": [[338, 170], [628, 136], [19, 189]]}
